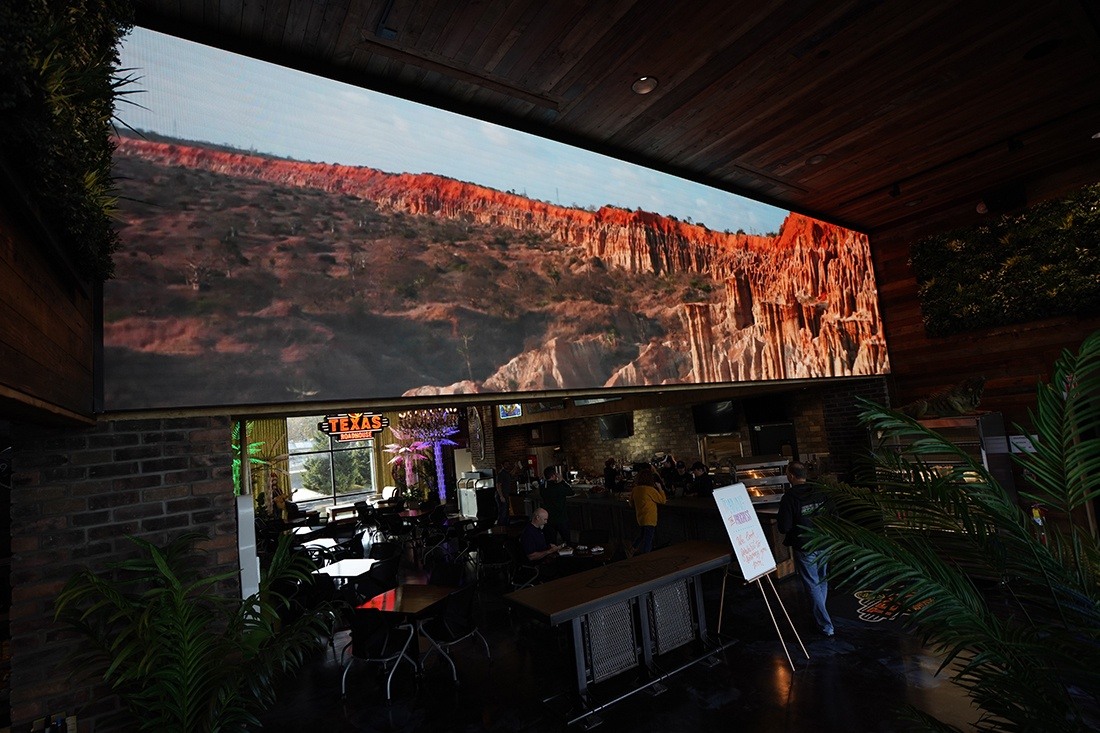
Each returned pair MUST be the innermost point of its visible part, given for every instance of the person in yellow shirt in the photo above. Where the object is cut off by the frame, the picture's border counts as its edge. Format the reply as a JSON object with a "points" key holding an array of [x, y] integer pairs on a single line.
{"points": [[646, 495]]}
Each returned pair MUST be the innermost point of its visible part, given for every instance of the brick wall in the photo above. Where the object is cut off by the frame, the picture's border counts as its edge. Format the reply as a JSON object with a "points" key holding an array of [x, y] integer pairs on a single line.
{"points": [[825, 422], [76, 495], [663, 429], [511, 444], [807, 416], [848, 439]]}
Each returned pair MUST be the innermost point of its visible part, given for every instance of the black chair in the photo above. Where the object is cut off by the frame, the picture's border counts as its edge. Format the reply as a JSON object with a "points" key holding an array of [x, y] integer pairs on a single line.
{"points": [[523, 573], [319, 554], [394, 528], [320, 592], [381, 577], [453, 624], [352, 547], [366, 521], [492, 554], [384, 550], [442, 572], [437, 517], [380, 638]]}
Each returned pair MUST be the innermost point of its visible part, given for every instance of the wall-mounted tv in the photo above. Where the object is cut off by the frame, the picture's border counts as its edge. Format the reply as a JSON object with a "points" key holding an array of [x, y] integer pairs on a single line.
{"points": [[287, 238], [713, 418], [617, 425], [506, 412]]}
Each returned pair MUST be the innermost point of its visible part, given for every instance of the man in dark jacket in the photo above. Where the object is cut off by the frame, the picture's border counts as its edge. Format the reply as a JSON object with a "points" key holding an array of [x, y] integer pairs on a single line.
{"points": [[702, 484], [553, 496], [796, 511]]}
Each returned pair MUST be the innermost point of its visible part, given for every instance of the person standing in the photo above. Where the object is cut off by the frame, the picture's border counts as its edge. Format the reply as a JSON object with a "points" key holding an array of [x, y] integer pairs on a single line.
{"points": [[553, 497], [797, 508], [701, 482], [646, 495], [612, 479], [681, 480], [667, 474], [506, 488]]}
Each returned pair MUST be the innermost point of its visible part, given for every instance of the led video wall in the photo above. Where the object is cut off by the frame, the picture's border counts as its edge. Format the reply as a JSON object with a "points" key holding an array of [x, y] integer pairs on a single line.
{"points": [[287, 238]]}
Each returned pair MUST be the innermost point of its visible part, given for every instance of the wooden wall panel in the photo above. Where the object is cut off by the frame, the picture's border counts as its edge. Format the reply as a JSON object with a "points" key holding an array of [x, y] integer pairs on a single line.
{"points": [[1013, 359], [47, 334]]}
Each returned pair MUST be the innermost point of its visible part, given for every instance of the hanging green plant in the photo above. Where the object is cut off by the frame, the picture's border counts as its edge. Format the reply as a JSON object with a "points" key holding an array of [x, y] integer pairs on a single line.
{"points": [[1040, 263], [60, 81]]}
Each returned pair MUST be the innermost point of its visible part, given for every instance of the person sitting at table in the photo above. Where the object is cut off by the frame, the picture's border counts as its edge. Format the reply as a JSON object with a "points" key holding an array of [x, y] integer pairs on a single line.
{"points": [[702, 484], [646, 495], [533, 539]]}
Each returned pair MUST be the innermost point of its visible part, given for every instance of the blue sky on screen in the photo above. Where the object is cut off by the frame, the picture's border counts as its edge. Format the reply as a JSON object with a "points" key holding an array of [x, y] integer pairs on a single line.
{"points": [[199, 93]]}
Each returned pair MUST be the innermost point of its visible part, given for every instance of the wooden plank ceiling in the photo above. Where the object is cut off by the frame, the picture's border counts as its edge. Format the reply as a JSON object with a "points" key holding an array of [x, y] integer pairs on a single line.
{"points": [[875, 115]]}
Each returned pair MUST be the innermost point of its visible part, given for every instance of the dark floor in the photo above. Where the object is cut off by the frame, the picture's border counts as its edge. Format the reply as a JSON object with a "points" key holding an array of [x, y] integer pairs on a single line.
{"points": [[856, 681]]}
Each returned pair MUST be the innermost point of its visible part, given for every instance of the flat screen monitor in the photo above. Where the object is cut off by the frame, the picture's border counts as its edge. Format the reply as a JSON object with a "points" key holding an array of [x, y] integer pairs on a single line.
{"points": [[619, 425], [713, 418]]}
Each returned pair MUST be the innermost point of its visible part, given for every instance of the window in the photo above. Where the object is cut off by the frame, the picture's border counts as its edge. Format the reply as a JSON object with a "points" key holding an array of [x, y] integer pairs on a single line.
{"points": [[324, 471]]}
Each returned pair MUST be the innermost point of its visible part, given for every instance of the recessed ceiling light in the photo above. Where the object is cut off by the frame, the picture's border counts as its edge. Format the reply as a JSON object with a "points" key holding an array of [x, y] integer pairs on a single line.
{"points": [[816, 159], [914, 202], [1096, 136], [644, 85]]}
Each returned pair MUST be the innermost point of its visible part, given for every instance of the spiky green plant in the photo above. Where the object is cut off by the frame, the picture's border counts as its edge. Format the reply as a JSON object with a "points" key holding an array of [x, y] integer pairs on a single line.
{"points": [[254, 459], [1015, 611], [181, 655]]}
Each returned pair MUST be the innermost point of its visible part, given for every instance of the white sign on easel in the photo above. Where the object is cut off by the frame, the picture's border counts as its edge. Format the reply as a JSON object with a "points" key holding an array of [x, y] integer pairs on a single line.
{"points": [[750, 545], [754, 554]]}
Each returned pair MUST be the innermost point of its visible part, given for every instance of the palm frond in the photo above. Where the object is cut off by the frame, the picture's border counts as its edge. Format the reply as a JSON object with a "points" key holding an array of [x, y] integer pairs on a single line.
{"points": [[1015, 613], [181, 655]]}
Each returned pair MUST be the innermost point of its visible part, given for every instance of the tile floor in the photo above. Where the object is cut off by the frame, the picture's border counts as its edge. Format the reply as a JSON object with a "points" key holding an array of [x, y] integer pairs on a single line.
{"points": [[854, 682]]}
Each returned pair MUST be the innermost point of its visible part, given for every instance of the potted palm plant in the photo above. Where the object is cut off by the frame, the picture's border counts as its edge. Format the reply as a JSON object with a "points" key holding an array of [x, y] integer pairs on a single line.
{"points": [[180, 654], [1013, 607]]}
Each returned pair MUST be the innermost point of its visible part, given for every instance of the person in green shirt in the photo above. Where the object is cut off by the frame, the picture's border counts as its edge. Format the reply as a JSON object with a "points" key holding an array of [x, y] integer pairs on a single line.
{"points": [[553, 496]]}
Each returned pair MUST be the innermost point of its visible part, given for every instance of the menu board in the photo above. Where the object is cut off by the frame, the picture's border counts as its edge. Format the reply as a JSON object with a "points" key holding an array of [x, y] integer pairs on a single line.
{"points": [[750, 545]]}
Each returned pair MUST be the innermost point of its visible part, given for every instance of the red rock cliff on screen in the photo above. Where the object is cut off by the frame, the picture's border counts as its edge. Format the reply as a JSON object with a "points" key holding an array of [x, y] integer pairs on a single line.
{"points": [[248, 279]]}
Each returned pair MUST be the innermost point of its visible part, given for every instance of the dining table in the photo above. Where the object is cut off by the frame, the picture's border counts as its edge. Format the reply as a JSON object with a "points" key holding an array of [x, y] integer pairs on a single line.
{"points": [[410, 600], [415, 603], [577, 559]]}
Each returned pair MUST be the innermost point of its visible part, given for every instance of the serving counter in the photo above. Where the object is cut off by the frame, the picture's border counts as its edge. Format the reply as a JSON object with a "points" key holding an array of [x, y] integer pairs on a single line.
{"points": [[622, 616]]}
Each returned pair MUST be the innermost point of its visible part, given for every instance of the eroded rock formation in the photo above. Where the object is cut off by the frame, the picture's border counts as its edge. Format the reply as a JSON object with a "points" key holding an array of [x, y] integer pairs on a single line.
{"points": [[802, 304]]}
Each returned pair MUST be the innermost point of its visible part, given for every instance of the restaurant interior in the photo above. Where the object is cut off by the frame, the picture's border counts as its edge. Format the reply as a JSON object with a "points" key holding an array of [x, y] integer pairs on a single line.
{"points": [[351, 380]]}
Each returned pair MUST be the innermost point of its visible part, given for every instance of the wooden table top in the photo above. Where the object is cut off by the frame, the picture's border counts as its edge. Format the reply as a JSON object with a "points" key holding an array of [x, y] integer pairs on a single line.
{"points": [[410, 599], [576, 595]]}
